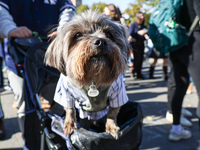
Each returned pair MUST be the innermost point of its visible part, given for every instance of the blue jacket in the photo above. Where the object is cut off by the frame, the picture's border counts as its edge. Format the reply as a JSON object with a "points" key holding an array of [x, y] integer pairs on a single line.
{"points": [[134, 28], [38, 15]]}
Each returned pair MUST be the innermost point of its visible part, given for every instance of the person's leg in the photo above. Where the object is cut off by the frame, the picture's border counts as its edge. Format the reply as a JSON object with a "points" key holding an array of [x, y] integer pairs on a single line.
{"points": [[171, 87], [140, 62], [171, 91], [165, 72], [180, 76], [17, 84], [152, 67]]}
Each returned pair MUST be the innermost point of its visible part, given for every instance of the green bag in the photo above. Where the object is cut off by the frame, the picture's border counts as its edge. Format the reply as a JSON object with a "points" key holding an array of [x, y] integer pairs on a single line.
{"points": [[165, 30]]}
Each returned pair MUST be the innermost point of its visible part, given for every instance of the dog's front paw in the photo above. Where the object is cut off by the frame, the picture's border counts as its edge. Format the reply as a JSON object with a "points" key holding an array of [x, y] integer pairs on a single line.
{"points": [[112, 128], [69, 126], [70, 121]]}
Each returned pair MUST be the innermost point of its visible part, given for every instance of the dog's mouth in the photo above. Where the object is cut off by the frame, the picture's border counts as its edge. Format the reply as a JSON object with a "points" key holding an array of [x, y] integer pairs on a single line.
{"points": [[99, 57]]}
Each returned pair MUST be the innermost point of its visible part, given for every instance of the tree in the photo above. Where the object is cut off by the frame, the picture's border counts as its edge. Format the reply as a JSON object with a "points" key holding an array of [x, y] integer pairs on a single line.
{"points": [[132, 10], [82, 8], [145, 5], [99, 7], [152, 2]]}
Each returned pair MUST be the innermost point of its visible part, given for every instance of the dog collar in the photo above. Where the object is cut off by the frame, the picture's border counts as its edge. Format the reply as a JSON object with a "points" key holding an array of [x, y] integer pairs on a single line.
{"points": [[93, 91], [98, 99]]}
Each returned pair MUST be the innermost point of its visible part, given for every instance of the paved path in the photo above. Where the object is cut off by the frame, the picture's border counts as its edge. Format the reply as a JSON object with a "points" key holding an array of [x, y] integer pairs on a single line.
{"points": [[152, 96], [13, 139]]}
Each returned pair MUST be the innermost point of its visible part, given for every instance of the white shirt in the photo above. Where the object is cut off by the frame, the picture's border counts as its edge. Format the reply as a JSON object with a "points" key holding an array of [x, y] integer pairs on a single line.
{"points": [[69, 96]]}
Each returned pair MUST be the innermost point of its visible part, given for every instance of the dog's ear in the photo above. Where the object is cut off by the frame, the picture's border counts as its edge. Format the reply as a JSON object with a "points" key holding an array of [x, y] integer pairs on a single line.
{"points": [[54, 55]]}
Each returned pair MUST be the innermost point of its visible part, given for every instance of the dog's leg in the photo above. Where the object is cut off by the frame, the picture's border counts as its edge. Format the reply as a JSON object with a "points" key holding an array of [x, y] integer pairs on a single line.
{"points": [[70, 121], [111, 122]]}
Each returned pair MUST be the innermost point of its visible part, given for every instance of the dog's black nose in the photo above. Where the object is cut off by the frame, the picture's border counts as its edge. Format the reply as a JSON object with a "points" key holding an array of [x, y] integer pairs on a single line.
{"points": [[99, 42]]}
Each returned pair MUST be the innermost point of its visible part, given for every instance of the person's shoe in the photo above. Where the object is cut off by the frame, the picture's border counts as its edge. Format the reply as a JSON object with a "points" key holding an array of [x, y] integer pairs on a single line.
{"points": [[165, 78], [151, 77], [140, 77], [183, 120], [151, 71], [2, 130], [185, 134], [186, 112]]}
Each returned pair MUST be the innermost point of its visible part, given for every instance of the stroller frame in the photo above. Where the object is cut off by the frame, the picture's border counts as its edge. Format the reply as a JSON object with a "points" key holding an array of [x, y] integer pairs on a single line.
{"points": [[37, 120]]}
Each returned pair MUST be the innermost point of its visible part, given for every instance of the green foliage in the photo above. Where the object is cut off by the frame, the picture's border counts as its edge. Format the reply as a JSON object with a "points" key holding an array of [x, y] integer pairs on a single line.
{"points": [[99, 7], [134, 8], [130, 11], [152, 2], [82, 8]]}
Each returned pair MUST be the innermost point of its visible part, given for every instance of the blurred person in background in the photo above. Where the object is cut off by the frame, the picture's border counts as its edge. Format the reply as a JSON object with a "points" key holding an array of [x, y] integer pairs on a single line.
{"points": [[137, 36], [156, 55]]}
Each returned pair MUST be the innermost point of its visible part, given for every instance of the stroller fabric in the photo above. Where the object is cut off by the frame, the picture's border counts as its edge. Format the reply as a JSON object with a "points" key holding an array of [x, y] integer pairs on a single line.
{"points": [[40, 79], [130, 122]]}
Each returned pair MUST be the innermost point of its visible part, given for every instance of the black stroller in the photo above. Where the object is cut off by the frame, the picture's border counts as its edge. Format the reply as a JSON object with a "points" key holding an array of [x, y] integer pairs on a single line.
{"points": [[44, 129]]}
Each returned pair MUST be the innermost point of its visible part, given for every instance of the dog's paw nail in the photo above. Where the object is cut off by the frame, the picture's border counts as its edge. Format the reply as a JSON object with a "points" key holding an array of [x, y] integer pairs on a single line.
{"points": [[69, 128], [114, 132]]}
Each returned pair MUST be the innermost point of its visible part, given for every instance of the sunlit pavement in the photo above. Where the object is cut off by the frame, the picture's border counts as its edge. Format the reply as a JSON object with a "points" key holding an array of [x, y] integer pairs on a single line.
{"points": [[151, 94]]}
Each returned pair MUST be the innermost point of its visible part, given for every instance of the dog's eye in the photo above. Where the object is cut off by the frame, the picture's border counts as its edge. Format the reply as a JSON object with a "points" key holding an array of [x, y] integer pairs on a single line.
{"points": [[108, 34], [78, 35]]}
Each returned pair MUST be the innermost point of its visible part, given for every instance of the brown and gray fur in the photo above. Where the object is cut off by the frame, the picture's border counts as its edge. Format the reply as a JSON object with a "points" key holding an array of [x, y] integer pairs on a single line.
{"points": [[90, 48]]}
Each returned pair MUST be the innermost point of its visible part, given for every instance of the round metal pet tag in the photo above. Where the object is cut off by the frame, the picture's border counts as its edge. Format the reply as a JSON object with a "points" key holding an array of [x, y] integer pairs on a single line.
{"points": [[93, 92]]}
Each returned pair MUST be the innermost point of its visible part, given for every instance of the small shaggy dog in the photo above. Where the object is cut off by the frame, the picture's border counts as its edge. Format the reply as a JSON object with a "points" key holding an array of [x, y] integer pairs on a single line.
{"points": [[91, 53]]}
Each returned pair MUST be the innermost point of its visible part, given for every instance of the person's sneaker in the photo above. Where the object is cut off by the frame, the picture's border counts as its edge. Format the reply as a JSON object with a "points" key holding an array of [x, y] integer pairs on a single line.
{"points": [[2, 130], [185, 134], [186, 112], [183, 120], [140, 77]]}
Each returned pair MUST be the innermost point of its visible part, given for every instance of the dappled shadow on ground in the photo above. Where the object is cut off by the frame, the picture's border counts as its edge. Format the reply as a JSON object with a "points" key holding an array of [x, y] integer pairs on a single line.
{"points": [[155, 137], [152, 96], [11, 127], [156, 129]]}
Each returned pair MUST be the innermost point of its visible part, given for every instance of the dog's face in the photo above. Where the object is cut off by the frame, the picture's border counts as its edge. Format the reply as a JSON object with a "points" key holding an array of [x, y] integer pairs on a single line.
{"points": [[90, 48]]}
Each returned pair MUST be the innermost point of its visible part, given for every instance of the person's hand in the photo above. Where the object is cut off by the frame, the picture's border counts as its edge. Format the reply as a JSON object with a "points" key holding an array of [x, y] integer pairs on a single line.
{"points": [[130, 39], [20, 32], [146, 36], [142, 32]]}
